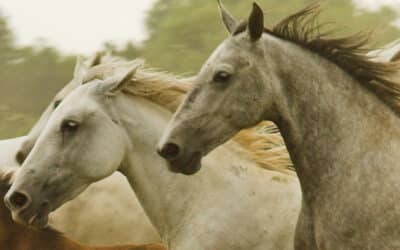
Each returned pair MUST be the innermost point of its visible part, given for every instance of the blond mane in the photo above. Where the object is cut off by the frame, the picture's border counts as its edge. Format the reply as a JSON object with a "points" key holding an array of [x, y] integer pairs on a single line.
{"points": [[262, 144]]}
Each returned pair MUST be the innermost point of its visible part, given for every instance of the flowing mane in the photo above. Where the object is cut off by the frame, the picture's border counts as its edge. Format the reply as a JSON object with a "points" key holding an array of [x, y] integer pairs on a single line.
{"points": [[262, 144], [347, 52]]}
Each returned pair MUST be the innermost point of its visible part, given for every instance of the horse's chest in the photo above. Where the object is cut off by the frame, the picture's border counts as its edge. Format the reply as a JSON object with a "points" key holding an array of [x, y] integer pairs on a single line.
{"points": [[355, 226]]}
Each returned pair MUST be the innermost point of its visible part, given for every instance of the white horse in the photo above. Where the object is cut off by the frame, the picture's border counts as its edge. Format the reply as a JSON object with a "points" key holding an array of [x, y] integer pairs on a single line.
{"points": [[113, 125], [90, 218]]}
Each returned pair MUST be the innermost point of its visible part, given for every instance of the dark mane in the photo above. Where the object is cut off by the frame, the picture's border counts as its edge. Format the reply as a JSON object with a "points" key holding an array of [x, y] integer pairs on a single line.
{"points": [[347, 52]]}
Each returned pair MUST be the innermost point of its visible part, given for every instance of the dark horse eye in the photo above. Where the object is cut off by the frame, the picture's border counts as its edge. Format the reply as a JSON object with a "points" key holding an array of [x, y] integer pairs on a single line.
{"points": [[222, 76], [69, 126], [56, 103]]}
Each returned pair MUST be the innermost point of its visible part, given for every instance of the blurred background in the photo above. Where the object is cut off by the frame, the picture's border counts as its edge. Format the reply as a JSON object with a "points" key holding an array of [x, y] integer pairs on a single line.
{"points": [[39, 40]]}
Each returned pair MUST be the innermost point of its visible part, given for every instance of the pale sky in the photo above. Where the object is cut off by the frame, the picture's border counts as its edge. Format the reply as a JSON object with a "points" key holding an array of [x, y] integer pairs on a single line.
{"points": [[78, 26], [82, 26], [375, 5]]}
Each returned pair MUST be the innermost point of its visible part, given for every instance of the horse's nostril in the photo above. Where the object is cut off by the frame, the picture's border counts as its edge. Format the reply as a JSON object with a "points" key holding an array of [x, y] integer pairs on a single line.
{"points": [[169, 151], [18, 200], [20, 157]]}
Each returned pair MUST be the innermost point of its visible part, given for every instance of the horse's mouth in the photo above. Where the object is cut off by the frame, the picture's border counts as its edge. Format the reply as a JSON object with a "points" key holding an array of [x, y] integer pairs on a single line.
{"points": [[30, 218], [39, 221], [188, 166]]}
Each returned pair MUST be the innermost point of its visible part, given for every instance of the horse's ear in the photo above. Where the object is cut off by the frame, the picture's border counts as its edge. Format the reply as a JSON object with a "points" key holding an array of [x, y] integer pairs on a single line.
{"points": [[116, 84], [228, 20], [96, 60], [80, 69], [256, 23]]}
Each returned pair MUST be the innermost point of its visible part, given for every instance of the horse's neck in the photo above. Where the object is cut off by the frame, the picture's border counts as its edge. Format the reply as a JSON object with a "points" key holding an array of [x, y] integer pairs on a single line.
{"points": [[332, 125], [166, 197]]}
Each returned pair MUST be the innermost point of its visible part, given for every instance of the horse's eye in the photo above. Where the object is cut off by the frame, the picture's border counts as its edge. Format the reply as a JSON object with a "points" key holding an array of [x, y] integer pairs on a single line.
{"points": [[56, 103], [222, 76], [69, 126]]}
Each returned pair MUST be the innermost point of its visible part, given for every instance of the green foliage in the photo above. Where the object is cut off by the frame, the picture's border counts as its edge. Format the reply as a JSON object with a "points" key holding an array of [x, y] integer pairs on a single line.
{"points": [[183, 33], [14, 124], [29, 78], [129, 51], [6, 42]]}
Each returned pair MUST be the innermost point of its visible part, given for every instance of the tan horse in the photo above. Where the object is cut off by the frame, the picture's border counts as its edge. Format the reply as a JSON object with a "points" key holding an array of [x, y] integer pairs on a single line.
{"points": [[14, 236]]}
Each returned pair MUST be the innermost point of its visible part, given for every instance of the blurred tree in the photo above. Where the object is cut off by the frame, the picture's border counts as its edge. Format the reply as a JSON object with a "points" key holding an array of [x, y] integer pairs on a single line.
{"points": [[29, 78], [128, 51], [6, 42], [191, 29], [182, 34]]}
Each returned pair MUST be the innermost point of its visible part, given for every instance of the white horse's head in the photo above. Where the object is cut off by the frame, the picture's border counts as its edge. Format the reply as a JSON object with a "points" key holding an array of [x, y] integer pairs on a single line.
{"points": [[81, 69], [82, 142]]}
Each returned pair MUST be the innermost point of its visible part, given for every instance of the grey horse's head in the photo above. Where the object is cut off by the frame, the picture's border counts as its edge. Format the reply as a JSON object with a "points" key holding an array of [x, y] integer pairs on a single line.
{"points": [[229, 94]]}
